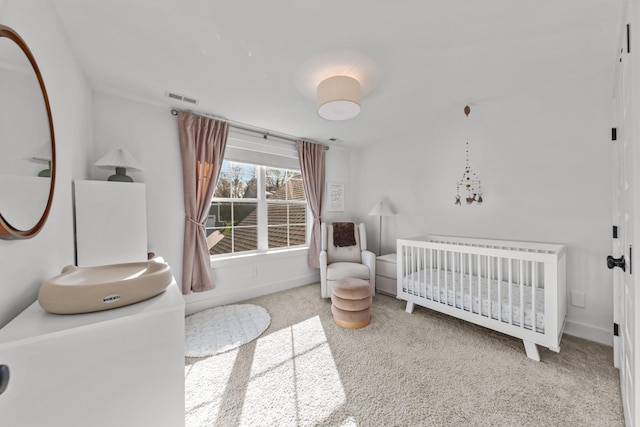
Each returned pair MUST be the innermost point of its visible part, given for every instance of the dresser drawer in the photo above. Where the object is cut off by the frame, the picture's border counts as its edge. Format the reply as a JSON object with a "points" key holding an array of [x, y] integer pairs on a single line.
{"points": [[385, 285]]}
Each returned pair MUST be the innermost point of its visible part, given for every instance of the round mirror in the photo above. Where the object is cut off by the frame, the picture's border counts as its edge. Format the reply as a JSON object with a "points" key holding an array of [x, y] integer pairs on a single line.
{"points": [[27, 144]]}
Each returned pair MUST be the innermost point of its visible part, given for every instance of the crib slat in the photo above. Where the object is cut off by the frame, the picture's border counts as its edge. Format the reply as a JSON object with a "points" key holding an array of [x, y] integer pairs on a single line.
{"points": [[489, 259], [534, 287], [405, 267], [461, 279], [453, 278], [470, 272], [411, 262], [435, 289], [413, 278], [521, 274], [431, 272], [405, 270], [408, 268], [499, 289], [479, 271], [425, 283], [418, 275], [445, 257], [510, 292], [414, 268], [446, 277]]}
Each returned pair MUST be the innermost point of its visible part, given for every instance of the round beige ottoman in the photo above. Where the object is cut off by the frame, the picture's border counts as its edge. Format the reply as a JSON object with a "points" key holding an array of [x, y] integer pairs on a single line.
{"points": [[351, 303]]}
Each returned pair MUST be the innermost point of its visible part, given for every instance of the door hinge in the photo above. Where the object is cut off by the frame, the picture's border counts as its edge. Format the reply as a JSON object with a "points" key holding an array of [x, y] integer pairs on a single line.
{"points": [[615, 231], [614, 134], [628, 38], [630, 260], [615, 329]]}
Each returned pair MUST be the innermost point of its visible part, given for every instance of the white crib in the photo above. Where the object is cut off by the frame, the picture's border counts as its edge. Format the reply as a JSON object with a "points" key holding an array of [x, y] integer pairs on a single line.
{"points": [[517, 288]]}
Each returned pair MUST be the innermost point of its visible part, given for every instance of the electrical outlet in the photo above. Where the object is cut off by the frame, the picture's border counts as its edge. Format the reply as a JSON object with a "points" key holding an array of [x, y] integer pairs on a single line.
{"points": [[577, 299]]}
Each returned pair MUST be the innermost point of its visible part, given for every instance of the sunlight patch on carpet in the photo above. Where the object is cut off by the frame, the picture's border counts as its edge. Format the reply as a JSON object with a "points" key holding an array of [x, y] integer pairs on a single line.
{"points": [[296, 366], [205, 387], [292, 380]]}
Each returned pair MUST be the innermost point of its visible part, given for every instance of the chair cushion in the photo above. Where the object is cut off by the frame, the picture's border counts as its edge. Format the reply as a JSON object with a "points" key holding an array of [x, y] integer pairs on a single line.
{"points": [[346, 253], [342, 270]]}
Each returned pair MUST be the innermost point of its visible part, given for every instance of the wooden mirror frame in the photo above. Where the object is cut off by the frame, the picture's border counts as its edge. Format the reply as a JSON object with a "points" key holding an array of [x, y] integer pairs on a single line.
{"points": [[7, 231]]}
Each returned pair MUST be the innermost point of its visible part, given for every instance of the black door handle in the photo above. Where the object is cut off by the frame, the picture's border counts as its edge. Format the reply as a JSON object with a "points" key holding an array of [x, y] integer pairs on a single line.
{"points": [[616, 262], [4, 378]]}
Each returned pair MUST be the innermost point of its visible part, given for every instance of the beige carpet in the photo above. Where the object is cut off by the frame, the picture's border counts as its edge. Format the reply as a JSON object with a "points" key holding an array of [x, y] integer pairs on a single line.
{"points": [[420, 369]]}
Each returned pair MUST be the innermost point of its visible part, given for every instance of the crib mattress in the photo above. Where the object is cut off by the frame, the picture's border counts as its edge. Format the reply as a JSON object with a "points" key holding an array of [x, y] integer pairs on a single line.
{"points": [[424, 284]]}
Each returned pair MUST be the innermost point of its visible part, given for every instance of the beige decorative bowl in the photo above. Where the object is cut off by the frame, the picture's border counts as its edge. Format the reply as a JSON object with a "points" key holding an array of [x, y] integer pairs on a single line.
{"points": [[89, 289]]}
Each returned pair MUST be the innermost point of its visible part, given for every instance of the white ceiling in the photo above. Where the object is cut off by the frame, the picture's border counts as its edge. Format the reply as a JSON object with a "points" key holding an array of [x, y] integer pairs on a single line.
{"points": [[258, 62]]}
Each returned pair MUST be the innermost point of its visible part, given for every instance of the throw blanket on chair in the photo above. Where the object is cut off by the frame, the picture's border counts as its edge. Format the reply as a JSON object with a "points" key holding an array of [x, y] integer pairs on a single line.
{"points": [[343, 234]]}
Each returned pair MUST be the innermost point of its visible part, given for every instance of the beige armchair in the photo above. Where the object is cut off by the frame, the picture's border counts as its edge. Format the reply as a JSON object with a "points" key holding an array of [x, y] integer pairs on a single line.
{"points": [[341, 262]]}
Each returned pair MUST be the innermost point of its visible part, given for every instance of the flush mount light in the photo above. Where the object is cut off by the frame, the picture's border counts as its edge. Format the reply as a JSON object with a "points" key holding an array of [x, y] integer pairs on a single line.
{"points": [[339, 98]]}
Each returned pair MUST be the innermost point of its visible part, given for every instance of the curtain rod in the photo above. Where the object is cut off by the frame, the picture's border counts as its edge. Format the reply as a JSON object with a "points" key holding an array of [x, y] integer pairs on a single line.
{"points": [[249, 128]]}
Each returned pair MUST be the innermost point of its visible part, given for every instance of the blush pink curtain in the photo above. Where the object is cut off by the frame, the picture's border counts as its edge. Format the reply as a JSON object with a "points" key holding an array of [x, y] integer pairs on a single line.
{"points": [[202, 144], [311, 158]]}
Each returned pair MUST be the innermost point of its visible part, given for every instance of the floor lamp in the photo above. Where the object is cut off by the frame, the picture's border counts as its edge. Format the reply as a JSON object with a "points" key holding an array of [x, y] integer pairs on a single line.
{"points": [[381, 209]]}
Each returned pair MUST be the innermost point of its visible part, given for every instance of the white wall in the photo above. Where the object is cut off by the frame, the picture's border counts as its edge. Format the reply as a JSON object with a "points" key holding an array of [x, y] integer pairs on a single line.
{"points": [[25, 264], [543, 182], [545, 178], [150, 134]]}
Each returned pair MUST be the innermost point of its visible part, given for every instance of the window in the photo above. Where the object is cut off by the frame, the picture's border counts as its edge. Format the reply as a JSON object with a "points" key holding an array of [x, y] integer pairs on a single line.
{"points": [[286, 208], [256, 208]]}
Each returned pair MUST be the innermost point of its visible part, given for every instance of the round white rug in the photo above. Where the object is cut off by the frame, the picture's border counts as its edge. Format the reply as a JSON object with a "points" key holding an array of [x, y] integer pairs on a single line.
{"points": [[224, 328]]}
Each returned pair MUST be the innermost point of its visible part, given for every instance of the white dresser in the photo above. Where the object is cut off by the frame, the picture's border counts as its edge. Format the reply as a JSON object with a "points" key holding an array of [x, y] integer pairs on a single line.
{"points": [[386, 273], [119, 367]]}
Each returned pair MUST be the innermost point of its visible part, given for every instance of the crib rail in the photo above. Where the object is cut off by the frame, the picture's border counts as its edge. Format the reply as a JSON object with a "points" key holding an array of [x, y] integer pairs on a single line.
{"points": [[514, 287]]}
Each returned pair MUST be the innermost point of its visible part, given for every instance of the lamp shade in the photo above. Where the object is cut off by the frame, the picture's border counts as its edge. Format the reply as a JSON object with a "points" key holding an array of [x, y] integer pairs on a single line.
{"points": [[339, 98], [121, 160], [381, 209], [41, 155], [118, 158]]}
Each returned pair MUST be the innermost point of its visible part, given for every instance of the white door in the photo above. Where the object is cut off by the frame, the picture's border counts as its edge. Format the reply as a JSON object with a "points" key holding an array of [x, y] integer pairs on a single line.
{"points": [[626, 199]]}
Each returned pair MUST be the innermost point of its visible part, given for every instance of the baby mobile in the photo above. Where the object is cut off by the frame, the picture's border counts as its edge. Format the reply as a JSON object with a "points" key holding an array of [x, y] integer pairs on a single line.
{"points": [[470, 184]]}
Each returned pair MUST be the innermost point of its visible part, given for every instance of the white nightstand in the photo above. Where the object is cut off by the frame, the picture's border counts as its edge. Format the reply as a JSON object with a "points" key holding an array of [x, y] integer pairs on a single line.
{"points": [[386, 272]]}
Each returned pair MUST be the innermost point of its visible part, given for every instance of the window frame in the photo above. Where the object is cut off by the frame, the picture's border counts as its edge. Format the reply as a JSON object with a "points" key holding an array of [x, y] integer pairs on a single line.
{"points": [[262, 225], [287, 203]]}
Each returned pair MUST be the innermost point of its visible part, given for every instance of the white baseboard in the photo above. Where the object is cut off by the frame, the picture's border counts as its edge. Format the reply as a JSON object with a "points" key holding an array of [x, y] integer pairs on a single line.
{"points": [[589, 332], [201, 301]]}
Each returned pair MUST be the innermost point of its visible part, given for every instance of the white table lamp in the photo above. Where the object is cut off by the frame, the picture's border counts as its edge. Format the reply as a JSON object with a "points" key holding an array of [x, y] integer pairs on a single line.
{"points": [[121, 160], [42, 155]]}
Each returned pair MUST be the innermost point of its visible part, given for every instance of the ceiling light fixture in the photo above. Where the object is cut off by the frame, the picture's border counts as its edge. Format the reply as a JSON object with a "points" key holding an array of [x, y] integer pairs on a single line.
{"points": [[339, 98]]}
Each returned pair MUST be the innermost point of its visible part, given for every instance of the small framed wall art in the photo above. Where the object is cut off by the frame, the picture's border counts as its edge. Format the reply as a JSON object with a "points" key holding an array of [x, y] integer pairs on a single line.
{"points": [[335, 197]]}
